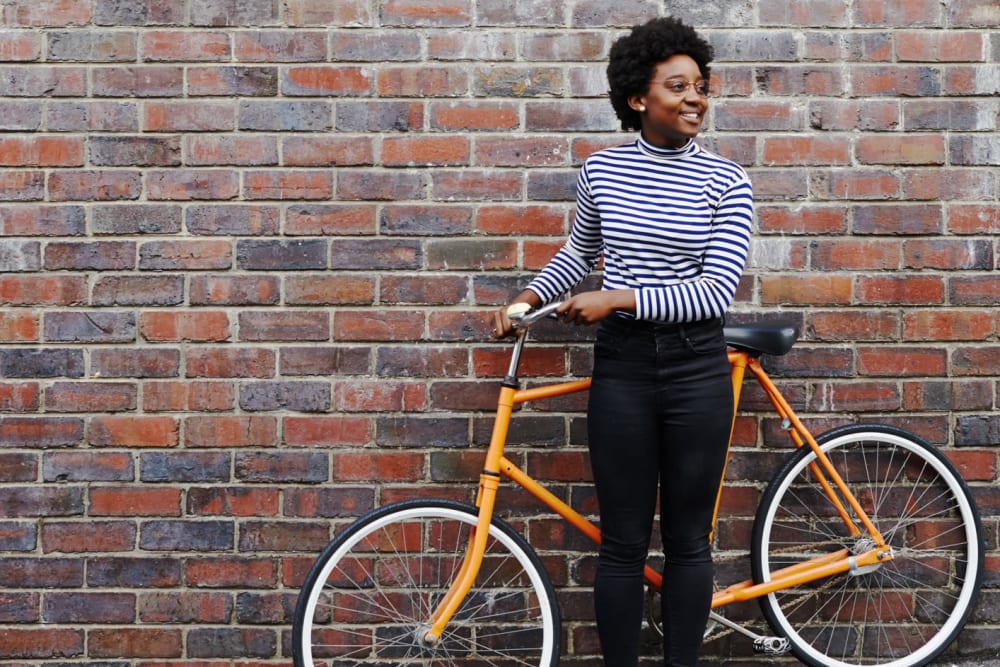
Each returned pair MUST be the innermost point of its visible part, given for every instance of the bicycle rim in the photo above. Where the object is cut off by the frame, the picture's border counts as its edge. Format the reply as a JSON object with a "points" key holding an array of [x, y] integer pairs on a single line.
{"points": [[367, 599], [903, 612]]}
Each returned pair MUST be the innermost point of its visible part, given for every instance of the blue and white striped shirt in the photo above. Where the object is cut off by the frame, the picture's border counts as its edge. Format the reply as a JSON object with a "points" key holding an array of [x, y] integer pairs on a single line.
{"points": [[672, 224]]}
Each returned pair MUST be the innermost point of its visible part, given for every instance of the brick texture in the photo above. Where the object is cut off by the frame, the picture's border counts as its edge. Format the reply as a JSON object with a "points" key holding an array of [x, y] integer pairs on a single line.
{"points": [[248, 249]]}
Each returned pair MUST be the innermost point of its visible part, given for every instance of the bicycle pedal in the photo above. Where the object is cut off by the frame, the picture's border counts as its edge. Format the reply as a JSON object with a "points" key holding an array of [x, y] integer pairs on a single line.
{"points": [[771, 645]]}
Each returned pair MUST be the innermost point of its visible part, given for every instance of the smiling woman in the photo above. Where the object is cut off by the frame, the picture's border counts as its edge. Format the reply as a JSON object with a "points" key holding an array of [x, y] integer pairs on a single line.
{"points": [[671, 222]]}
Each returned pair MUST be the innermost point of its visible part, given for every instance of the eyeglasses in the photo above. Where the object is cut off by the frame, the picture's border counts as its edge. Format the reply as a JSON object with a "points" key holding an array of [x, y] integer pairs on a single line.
{"points": [[680, 87]]}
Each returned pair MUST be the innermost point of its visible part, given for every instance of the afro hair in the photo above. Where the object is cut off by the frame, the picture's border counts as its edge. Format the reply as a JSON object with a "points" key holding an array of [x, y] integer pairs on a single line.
{"points": [[634, 57]]}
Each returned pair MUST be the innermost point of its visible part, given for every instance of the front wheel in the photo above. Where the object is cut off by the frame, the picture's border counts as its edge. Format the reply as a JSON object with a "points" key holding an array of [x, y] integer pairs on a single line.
{"points": [[900, 613], [368, 596]]}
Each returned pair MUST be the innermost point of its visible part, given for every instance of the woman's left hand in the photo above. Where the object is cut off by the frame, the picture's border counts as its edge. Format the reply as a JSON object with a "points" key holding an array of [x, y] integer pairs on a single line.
{"points": [[592, 307]]}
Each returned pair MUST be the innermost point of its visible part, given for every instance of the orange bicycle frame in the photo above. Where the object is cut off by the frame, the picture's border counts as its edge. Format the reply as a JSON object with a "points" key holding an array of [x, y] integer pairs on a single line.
{"points": [[497, 465]]}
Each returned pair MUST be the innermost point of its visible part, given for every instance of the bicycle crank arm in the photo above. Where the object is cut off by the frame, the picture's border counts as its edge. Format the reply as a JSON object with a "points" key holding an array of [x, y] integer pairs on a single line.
{"points": [[761, 643]]}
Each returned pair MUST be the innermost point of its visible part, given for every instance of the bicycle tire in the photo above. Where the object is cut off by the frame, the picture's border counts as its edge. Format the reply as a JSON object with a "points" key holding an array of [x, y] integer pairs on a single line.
{"points": [[901, 613], [368, 595]]}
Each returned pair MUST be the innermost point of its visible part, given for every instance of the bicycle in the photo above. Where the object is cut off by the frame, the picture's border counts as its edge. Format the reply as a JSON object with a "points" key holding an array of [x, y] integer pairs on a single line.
{"points": [[866, 549]]}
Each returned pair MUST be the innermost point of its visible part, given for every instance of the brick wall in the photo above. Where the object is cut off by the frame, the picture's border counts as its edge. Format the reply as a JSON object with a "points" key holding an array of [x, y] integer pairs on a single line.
{"points": [[248, 247]]}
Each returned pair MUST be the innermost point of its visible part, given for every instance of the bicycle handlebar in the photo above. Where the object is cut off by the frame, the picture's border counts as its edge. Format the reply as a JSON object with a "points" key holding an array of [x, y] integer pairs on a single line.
{"points": [[524, 318]]}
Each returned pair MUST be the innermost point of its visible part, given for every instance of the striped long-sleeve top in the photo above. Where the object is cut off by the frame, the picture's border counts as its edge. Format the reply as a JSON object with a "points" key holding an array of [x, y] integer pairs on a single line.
{"points": [[671, 224]]}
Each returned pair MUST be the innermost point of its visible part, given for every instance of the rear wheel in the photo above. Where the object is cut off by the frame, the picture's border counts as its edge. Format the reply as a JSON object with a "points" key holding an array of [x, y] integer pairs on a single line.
{"points": [[902, 612], [368, 596]]}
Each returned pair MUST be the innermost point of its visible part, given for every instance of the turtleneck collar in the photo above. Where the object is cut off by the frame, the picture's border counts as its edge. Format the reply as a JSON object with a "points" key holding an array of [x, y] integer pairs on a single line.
{"points": [[660, 153]]}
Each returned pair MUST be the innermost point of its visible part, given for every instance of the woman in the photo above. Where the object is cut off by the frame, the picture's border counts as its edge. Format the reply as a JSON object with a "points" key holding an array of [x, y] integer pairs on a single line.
{"points": [[672, 223]]}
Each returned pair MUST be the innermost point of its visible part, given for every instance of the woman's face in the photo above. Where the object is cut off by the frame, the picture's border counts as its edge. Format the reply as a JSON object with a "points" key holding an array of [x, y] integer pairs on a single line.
{"points": [[674, 106]]}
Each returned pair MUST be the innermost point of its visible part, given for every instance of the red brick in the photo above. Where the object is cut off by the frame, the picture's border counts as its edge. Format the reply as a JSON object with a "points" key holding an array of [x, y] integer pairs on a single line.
{"points": [[330, 219], [378, 396], [377, 466], [948, 325], [230, 431], [329, 290], [901, 361], [425, 151], [805, 151], [421, 82], [187, 184], [375, 325], [188, 396], [854, 325], [327, 151], [935, 46], [327, 431], [974, 219], [132, 501], [224, 363], [48, 13], [336, 81], [18, 327], [191, 327], [89, 537], [913, 290], [196, 45], [42, 643], [99, 185], [130, 642], [134, 431], [805, 290], [244, 501], [41, 151], [20, 397], [472, 116], [231, 150], [802, 220], [289, 185], [908, 149]]}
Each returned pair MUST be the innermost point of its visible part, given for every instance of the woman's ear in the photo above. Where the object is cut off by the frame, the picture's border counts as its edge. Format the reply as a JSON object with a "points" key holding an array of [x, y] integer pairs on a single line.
{"points": [[637, 103]]}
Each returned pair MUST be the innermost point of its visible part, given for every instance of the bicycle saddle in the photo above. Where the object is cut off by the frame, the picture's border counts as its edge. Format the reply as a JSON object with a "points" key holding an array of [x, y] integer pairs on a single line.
{"points": [[759, 338]]}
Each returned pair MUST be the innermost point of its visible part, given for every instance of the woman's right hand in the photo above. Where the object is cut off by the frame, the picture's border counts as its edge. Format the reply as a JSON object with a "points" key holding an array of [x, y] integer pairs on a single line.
{"points": [[502, 325]]}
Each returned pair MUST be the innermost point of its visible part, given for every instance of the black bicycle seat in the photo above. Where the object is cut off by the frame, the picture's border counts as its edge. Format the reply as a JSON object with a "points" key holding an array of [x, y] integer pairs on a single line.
{"points": [[759, 338]]}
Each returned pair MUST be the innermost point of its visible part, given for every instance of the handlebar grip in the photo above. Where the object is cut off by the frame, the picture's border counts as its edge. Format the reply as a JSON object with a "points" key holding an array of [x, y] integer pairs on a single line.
{"points": [[523, 316]]}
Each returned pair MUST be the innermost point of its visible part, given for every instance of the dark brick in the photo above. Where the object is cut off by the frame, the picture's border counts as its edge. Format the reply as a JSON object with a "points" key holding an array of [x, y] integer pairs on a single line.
{"points": [[304, 467], [137, 219], [129, 13], [235, 12], [287, 326], [297, 116], [93, 327], [139, 291], [375, 254], [87, 467], [19, 607], [422, 432], [92, 46], [187, 535], [138, 573], [298, 255], [296, 396], [264, 608], [135, 151], [20, 255], [99, 256], [233, 220], [33, 363], [140, 363], [231, 643], [17, 536], [315, 360], [184, 467], [282, 536], [378, 116], [185, 607], [79, 607], [42, 501], [39, 432], [41, 573], [46, 220]]}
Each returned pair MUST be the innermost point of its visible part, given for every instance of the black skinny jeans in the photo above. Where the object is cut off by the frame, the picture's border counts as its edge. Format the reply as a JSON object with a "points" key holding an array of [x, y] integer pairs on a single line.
{"points": [[661, 406]]}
